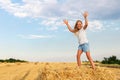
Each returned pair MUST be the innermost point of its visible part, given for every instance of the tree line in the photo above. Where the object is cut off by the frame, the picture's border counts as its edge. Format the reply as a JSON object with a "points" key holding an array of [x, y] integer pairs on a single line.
{"points": [[111, 60], [12, 60]]}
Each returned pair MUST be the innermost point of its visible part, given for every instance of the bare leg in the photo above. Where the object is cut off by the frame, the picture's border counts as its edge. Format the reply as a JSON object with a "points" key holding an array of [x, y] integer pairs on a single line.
{"points": [[90, 59], [79, 52]]}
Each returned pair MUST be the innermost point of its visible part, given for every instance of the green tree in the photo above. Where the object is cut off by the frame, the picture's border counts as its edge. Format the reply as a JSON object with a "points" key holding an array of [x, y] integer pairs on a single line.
{"points": [[12, 60], [111, 60]]}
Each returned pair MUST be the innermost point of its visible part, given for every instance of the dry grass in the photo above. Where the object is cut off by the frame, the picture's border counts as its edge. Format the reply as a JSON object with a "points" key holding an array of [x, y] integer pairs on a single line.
{"points": [[55, 71]]}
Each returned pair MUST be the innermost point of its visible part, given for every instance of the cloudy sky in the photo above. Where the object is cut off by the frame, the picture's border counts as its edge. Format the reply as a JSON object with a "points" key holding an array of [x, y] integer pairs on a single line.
{"points": [[33, 30]]}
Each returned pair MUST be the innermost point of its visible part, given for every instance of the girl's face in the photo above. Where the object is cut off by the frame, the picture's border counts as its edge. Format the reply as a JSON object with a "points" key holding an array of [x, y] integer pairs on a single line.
{"points": [[79, 25]]}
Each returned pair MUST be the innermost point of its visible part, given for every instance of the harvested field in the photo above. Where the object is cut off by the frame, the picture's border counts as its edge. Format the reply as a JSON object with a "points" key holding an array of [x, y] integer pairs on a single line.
{"points": [[55, 71]]}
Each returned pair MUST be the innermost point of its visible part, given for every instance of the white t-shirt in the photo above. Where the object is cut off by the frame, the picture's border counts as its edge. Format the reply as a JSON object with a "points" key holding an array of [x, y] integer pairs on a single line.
{"points": [[81, 35]]}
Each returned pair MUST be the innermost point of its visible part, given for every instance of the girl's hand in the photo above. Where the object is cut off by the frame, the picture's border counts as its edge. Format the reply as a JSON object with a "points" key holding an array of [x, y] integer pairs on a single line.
{"points": [[65, 21], [85, 14]]}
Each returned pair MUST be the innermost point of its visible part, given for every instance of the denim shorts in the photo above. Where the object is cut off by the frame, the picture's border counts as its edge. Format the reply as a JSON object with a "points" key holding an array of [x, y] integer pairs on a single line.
{"points": [[84, 47]]}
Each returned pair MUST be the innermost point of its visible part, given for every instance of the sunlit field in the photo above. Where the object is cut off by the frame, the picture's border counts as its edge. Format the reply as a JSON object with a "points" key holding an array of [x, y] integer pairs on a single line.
{"points": [[55, 71]]}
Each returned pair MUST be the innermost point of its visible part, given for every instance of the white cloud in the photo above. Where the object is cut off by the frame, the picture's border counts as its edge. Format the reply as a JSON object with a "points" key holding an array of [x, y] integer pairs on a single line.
{"points": [[117, 29], [30, 8], [35, 36], [55, 8], [96, 25], [20, 14], [51, 12], [52, 23], [115, 49]]}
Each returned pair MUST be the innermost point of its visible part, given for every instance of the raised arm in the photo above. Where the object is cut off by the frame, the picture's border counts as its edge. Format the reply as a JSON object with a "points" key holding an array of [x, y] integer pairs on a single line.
{"points": [[86, 20], [68, 26]]}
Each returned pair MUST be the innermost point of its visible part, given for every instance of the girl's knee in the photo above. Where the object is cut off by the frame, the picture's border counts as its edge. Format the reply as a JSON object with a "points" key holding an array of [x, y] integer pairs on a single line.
{"points": [[89, 58], [77, 55]]}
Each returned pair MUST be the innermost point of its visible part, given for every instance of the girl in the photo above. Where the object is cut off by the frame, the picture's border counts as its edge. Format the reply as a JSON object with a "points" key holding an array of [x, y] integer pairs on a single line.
{"points": [[79, 30]]}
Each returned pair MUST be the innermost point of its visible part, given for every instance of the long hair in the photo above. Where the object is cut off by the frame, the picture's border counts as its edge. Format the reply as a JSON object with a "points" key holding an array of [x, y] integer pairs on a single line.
{"points": [[75, 27]]}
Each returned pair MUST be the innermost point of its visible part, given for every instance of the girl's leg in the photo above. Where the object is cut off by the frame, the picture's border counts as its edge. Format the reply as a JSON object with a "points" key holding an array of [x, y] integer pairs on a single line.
{"points": [[90, 59], [79, 52]]}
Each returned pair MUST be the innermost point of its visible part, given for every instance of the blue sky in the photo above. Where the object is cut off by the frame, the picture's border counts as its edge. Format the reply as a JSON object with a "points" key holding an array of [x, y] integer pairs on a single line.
{"points": [[33, 30]]}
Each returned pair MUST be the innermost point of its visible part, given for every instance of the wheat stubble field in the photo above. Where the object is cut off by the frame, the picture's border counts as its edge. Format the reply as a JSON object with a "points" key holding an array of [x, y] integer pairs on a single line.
{"points": [[55, 71]]}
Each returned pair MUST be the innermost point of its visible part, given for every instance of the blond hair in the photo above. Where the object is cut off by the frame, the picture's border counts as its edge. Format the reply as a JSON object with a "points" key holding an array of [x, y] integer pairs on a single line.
{"points": [[75, 27]]}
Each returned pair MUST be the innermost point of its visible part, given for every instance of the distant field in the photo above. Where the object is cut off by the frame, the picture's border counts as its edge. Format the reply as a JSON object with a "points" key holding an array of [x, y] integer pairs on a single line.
{"points": [[104, 65], [55, 71]]}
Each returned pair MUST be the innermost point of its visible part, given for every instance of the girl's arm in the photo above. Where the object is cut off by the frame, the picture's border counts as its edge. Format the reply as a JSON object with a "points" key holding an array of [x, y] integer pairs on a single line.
{"points": [[86, 20], [68, 26]]}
